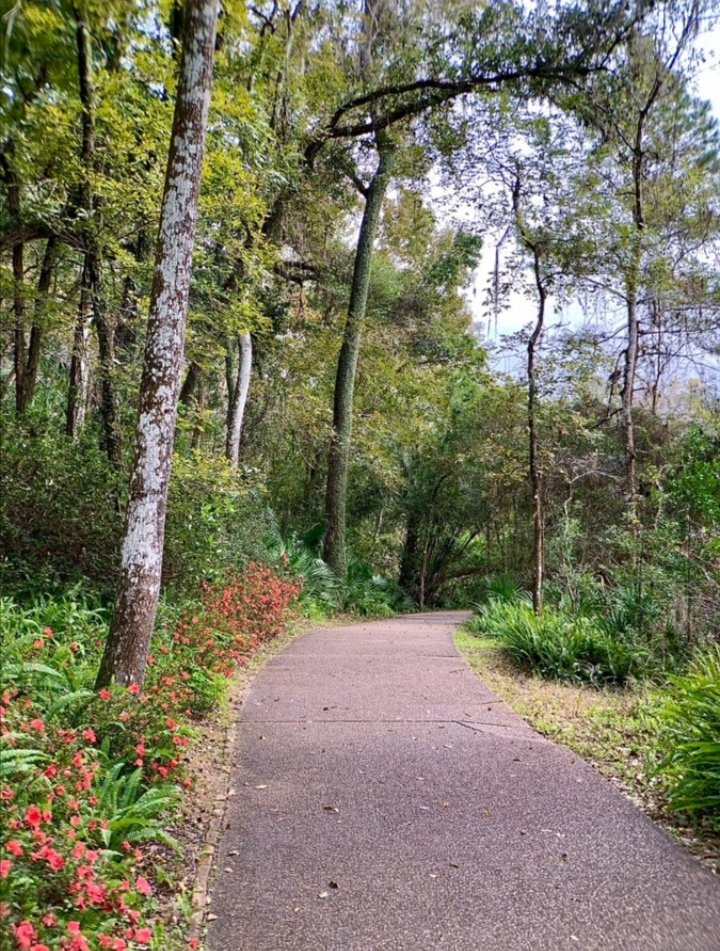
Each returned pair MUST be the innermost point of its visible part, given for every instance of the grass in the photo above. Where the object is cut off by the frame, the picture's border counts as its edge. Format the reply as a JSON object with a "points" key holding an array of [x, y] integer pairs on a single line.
{"points": [[614, 730]]}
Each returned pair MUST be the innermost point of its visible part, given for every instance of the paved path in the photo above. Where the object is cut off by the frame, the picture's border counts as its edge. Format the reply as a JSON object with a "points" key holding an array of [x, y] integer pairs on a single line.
{"points": [[387, 801]]}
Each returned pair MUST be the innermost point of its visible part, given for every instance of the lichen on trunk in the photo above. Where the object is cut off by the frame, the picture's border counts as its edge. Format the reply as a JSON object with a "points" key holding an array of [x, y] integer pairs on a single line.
{"points": [[128, 643]]}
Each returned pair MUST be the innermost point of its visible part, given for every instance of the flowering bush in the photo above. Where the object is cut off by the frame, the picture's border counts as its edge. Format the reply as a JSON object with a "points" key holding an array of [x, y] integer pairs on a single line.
{"points": [[87, 778]]}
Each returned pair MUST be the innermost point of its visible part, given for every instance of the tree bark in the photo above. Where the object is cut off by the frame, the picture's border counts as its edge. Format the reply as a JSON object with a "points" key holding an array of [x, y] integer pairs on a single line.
{"points": [[79, 361], [336, 494], [34, 350], [409, 559], [628, 390], [533, 244], [111, 438], [12, 185], [128, 642], [238, 399], [535, 473], [189, 390]]}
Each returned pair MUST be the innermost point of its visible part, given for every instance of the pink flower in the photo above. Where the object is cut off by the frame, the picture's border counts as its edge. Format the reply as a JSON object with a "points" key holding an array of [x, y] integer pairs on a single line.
{"points": [[25, 935], [37, 724], [134, 688], [33, 816], [14, 847], [89, 735], [5, 866], [143, 885], [104, 694], [143, 935]]}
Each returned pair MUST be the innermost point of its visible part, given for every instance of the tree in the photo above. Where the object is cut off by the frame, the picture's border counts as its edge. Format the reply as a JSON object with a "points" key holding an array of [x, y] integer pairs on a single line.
{"points": [[131, 630], [488, 66]]}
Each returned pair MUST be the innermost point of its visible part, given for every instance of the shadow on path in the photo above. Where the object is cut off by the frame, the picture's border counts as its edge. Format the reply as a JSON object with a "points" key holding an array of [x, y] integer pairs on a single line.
{"points": [[386, 800]]}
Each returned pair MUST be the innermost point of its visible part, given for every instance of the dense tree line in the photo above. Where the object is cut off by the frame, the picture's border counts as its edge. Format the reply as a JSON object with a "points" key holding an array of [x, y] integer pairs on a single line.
{"points": [[331, 391]]}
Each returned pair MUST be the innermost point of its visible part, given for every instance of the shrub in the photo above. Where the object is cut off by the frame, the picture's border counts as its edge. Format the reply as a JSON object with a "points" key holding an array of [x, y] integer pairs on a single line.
{"points": [[217, 520], [371, 595], [690, 728], [87, 777], [560, 644], [63, 504]]}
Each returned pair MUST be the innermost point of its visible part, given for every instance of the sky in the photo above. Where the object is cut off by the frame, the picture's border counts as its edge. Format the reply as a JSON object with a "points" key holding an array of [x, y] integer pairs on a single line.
{"points": [[521, 311]]}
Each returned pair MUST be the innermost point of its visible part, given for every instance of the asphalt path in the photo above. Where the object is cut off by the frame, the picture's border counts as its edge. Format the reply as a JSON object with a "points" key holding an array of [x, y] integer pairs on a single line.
{"points": [[386, 800]]}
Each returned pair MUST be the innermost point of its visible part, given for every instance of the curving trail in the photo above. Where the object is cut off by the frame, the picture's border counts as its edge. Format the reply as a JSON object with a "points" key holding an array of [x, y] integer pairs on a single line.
{"points": [[387, 801]]}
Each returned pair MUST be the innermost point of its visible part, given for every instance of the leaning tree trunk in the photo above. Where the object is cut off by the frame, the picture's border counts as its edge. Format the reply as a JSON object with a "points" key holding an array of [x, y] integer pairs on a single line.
{"points": [[339, 459], [128, 642], [238, 399]]}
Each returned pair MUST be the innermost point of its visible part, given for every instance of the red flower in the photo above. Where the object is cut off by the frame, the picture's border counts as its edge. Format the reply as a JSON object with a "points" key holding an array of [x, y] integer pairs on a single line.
{"points": [[5, 866], [104, 694], [143, 885], [143, 935], [14, 847], [89, 735], [134, 688], [33, 816], [37, 724]]}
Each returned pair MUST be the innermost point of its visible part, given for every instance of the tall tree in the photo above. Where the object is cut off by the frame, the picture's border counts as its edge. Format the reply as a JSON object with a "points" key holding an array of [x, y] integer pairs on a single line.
{"points": [[339, 460], [126, 650]]}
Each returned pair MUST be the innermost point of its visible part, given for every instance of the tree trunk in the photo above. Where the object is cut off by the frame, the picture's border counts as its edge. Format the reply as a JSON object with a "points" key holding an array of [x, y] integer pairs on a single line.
{"points": [[32, 365], [18, 272], [236, 413], [189, 390], [128, 642], [339, 459], [111, 439], [408, 578], [109, 413], [79, 362], [18, 269], [534, 245], [628, 391], [535, 473]]}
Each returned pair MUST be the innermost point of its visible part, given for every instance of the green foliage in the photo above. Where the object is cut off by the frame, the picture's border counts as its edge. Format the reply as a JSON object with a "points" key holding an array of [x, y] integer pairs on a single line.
{"points": [[370, 595], [362, 592], [61, 503], [217, 518], [690, 731], [561, 645]]}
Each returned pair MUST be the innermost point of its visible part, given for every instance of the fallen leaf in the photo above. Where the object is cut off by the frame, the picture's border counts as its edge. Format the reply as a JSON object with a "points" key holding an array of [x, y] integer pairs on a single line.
{"points": [[323, 894], [261, 787], [212, 917]]}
